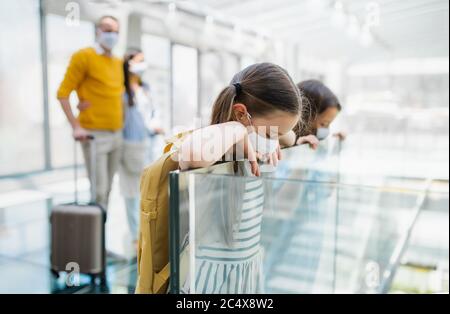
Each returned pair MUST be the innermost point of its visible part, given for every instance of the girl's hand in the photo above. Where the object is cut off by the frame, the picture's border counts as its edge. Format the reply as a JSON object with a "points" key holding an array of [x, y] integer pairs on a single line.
{"points": [[252, 156], [340, 135], [272, 158], [278, 153], [312, 140]]}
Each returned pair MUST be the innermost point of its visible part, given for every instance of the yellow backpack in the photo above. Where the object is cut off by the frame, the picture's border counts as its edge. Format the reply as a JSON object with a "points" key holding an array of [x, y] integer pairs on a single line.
{"points": [[153, 247]]}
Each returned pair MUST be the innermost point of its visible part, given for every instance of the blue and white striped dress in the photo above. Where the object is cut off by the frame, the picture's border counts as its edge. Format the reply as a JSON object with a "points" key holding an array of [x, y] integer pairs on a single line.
{"points": [[235, 268]]}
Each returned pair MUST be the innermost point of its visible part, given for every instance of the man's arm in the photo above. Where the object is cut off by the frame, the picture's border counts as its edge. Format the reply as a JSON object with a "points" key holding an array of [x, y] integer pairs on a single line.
{"points": [[75, 74], [79, 133]]}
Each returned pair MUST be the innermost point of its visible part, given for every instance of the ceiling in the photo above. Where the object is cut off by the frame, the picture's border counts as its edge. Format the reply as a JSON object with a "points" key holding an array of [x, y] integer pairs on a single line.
{"points": [[351, 31], [406, 28]]}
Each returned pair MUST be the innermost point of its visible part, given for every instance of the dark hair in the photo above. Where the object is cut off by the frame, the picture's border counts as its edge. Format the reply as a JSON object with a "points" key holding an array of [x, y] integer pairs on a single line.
{"points": [[104, 17], [317, 98], [131, 53], [263, 88]]}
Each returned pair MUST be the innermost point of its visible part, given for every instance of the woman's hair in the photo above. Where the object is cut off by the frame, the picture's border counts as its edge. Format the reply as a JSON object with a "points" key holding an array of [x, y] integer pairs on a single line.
{"points": [[262, 88], [317, 98], [131, 53]]}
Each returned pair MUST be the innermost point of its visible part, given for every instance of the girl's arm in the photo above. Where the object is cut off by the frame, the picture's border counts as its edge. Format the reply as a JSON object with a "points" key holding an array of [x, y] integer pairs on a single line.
{"points": [[204, 147], [289, 140]]}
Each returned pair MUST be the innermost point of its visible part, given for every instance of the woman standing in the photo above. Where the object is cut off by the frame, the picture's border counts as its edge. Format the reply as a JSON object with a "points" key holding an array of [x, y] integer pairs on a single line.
{"points": [[140, 124]]}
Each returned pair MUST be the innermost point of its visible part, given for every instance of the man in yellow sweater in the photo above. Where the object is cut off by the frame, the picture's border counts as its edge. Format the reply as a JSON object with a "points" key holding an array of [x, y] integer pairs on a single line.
{"points": [[97, 77]]}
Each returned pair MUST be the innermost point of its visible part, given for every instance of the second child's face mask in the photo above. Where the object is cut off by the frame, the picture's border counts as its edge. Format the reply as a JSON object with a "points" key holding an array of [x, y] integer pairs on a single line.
{"points": [[322, 133]]}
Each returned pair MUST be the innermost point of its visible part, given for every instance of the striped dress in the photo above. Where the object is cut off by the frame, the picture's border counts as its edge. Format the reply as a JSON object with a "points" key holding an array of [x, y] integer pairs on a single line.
{"points": [[235, 268]]}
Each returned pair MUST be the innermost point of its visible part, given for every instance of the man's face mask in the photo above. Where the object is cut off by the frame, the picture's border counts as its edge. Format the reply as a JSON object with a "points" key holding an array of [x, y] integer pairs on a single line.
{"points": [[108, 39]]}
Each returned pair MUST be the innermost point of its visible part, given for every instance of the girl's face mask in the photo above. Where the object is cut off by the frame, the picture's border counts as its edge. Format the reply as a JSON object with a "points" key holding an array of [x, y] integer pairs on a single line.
{"points": [[260, 143]]}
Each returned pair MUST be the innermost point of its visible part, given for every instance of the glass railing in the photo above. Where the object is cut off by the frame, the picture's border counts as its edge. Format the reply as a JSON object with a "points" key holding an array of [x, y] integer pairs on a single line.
{"points": [[299, 229]]}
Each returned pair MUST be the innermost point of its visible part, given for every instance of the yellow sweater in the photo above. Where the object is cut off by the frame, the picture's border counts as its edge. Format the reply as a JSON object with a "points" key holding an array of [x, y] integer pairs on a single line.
{"points": [[97, 79]]}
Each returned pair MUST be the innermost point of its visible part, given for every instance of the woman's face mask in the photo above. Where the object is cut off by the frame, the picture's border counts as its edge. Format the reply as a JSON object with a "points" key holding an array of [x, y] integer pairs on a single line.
{"points": [[108, 39], [260, 143], [138, 68]]}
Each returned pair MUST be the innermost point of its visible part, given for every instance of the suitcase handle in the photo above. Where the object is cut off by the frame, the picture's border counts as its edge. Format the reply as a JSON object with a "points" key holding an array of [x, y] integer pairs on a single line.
{"points": [[91, 140]]}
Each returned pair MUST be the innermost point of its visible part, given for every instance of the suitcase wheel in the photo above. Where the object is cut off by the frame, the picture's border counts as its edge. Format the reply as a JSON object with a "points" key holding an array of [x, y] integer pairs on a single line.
{"points": [[54, 273], [100, 277]]}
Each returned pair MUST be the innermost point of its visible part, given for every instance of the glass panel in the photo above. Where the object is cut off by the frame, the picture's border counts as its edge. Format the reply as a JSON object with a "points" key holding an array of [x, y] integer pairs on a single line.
{"points": [[58, 53], [21, 99], [250, 235], [292, 210], [303, 163], [371, 225], [298, 229], [424, 267], [185, 87]]}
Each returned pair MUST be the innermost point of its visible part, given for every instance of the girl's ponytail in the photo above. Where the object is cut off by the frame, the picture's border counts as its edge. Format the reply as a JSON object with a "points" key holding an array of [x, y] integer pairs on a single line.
{"points": [[263, 88], [223, 106]]}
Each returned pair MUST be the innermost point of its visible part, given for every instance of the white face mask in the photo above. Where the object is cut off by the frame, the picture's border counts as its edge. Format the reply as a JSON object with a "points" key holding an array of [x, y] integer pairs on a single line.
{"points": [[108, 39], [262, 144], [138, 68], [322, 133]]}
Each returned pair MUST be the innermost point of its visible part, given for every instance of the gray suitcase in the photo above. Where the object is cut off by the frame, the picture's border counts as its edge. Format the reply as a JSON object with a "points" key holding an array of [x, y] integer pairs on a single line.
{"points": [[78, 233]]}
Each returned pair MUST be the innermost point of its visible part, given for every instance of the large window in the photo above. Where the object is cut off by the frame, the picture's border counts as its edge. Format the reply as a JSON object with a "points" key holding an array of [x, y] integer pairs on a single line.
{"points": [[157, 55], [59, 52], [400, 119], [21, 101], [247, 61], [217, 71], [185, 87]]}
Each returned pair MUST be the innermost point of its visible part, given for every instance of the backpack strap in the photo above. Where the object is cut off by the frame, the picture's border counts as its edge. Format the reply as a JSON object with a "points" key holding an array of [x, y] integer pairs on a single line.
{"points": [[174, 142], [149, 188], [161, 279]]}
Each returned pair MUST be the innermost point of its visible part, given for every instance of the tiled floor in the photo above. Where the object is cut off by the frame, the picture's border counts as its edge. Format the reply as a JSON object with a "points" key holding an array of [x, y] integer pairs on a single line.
{"points": [[24, 243]]}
